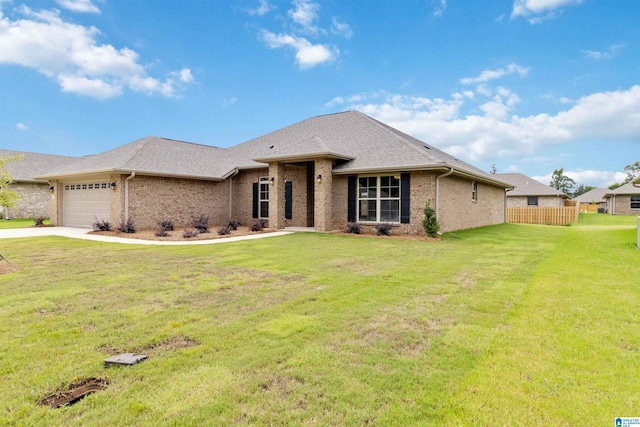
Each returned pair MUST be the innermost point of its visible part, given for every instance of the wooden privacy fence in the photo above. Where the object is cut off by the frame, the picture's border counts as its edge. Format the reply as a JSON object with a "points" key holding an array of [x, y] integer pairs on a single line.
{"points": [[547, 216]]}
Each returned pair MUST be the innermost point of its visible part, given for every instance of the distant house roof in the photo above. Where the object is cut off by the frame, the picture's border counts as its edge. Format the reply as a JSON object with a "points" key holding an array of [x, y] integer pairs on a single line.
{"points": [[357, 142], [527, 186], [628, 188], [595, 195], [31, 165]]}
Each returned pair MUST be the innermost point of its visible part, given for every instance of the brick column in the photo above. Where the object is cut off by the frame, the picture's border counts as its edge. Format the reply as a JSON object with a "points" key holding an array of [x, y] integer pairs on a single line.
{"points": [[276, 195], [323, 194]]}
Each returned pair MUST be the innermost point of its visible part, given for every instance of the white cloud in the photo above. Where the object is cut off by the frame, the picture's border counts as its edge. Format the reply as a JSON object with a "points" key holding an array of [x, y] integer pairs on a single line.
{"points": [[229, 102], [307, 55], [488, 75], [601, 179], [80, 6], [495, 133], [538, 11], [341, 28], [305, 14], [22, 126], [441, 6], [606, 54], [69, 54], [262, 9]]}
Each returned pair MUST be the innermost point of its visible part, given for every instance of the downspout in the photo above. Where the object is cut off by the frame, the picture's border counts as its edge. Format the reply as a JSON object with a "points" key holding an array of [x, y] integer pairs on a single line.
{"points": [[438, 190], [126, 196], [235, 172]]}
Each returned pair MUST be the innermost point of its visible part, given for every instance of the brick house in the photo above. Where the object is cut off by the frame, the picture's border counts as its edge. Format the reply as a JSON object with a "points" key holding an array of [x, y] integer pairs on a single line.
{"points": [[322, 172], [34, 193], [527, 192], [624, 200]]}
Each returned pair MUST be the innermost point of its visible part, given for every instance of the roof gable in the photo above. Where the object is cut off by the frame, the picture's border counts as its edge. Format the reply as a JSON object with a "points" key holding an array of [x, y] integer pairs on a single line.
{"points": [[31, 165], [595, 195], [628, 188]]}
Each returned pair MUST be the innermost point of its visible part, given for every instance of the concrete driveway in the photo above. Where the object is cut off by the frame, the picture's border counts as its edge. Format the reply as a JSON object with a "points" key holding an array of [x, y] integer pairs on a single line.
{"points": [[81, 233]]}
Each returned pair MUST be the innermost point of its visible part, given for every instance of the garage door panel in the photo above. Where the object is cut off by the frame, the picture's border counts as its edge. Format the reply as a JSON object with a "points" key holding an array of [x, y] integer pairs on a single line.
{"points": [[85, 202]]}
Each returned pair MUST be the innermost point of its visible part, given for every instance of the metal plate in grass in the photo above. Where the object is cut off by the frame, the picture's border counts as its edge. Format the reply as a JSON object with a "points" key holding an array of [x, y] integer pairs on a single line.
{"points": [[124, 359]]}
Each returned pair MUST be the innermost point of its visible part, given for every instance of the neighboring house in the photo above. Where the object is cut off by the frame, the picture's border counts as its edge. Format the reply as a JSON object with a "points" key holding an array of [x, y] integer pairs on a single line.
{"points": [[593, 197], [624, 200], [34, 193], [528, 192], [323, 172]]}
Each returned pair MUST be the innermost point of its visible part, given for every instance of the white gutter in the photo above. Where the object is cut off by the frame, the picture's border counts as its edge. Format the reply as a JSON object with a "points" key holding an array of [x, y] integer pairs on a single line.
{"points": [[126, 196], [438, 190]]}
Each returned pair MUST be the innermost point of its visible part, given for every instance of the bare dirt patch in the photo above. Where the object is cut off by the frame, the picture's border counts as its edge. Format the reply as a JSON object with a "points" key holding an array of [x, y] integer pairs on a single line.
{"points": [[74, 392], [177, 234], [170, 344], [6, 268]]}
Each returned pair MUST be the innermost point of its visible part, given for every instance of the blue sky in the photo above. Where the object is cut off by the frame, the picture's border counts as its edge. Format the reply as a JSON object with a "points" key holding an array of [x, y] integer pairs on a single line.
{"points": [[527, 85]]}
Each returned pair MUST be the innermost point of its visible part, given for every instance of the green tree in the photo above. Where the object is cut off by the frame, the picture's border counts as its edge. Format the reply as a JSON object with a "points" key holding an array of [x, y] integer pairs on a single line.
{"points": [[633, 170], [614, 186], [561, 182], [493, 170], [581, 189], [8, 197]]}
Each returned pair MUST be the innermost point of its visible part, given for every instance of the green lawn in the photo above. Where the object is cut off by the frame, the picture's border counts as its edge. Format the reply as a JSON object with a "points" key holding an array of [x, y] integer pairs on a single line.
{"points": [[18, 223], [504, 325]]}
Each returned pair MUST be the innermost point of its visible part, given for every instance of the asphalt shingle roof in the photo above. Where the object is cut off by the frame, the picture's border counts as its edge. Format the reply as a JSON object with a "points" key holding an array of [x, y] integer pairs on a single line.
{"points": [[359, 143], [628, 188], [527, 186], [595, 195], [31, 165]]}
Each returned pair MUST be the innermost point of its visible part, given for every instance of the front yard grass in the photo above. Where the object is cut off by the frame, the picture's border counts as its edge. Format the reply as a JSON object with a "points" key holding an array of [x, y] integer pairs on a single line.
{"points": [[503, 325], [18, 223]]}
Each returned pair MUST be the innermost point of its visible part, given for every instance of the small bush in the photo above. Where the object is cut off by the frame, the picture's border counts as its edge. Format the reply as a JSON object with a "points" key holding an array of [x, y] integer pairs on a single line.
{"points": [[430, 222], [354, 227], [161, 232], [224, 230], [101, 225], [201, 224], [166, 225], [188, 233], [233, 224], [383, 229], [258, 225], [39, 221], [128, 226]]}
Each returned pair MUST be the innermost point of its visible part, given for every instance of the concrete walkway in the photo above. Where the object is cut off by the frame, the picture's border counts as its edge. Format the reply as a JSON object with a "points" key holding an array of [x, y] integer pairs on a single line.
{"points": [[81, 233]]}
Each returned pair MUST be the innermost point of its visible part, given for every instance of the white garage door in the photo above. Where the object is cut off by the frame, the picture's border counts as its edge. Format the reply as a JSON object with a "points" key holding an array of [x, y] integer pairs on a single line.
{"points": [[84, 203]]}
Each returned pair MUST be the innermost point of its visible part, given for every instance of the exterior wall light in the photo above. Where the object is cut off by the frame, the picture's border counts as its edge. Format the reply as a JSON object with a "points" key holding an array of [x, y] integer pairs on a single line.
{"points": [[319, 179], [272, 180], [51, 188], [113, 186]]}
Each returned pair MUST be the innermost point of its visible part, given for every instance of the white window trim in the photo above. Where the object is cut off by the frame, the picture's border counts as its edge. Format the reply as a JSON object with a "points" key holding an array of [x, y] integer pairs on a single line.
{"points": [[378, 199], [632, 202], [263, 180]]}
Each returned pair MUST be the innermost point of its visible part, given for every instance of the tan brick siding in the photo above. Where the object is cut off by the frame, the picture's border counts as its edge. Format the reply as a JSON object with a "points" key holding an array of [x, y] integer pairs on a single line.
{"points": [[458, 211], [34, 201], [622, 205], [543, 201], [153, 199]]}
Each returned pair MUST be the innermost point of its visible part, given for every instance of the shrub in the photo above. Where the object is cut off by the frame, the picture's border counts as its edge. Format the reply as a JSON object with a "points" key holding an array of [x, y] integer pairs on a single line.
{"points": [[233, 224], [161, 232], [101, 225], [166, 225], [188, 233], [354, 227], [383, 229], [201, 224], [224, 230], [127, 226], [258, 225], [430, 222], [39, 221]]}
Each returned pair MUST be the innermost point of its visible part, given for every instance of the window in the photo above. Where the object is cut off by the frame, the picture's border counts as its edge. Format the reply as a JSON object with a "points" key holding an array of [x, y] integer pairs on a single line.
{"points": [[635, 201], [263, 199], [379, 199], [474, 191], [532, 200]]}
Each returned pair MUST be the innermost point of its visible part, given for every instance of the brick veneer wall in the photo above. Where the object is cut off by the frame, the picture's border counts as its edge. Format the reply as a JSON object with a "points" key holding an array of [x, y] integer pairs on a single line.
{"points": [[34, 202], [543, 201], [623, 205], [153, 199], [458, 211]]}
